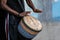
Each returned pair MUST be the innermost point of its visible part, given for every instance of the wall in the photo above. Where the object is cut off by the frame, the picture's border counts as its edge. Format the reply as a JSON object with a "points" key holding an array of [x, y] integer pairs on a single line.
{"points": [[51, 30]]}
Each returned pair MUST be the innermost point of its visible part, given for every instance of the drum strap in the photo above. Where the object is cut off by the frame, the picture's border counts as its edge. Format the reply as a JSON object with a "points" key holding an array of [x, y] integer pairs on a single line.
{"points": [[6, 26]]}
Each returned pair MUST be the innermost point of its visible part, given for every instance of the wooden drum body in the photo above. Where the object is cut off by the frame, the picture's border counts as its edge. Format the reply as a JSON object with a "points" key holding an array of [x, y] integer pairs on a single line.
{"points": [[29, 27]]}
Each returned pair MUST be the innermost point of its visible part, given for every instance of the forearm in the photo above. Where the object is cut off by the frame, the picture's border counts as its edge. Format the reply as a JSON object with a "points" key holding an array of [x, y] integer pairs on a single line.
{"points": [[30, 4], [6, 7]]}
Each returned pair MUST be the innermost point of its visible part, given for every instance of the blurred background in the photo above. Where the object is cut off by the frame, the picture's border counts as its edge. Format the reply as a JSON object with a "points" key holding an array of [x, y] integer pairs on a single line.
{"points": [[50, 18]]}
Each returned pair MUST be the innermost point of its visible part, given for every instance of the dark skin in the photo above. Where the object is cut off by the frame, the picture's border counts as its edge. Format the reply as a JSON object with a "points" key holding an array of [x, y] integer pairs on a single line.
{"points": [[29, 2]]}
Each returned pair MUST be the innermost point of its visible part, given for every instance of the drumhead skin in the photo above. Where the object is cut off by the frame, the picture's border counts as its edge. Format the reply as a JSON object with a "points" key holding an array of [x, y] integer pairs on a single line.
{"points": [[32, 23], [29, 27]]}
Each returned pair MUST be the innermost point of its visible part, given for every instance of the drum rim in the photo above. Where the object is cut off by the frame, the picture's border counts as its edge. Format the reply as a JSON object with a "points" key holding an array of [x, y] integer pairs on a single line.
{"points": [[30, 31]]}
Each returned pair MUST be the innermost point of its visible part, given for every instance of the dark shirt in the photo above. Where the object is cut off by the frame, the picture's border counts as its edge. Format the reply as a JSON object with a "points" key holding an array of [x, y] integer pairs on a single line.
{"points": [[17, 5]]}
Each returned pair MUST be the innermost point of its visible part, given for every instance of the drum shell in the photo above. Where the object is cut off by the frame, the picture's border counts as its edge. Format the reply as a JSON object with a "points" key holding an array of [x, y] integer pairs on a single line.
{"points": [[25, 32]]}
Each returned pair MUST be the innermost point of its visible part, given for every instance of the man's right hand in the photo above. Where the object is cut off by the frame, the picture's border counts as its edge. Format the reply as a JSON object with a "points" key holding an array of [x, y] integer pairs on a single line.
{"points": [[24, 13]]}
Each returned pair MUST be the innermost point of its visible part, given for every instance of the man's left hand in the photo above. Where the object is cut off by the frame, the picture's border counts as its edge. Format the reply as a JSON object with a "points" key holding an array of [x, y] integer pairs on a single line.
{"points": [[37, 11]]}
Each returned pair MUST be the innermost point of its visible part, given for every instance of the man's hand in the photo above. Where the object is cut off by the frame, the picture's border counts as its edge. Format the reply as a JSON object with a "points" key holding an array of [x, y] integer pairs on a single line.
{"points": [[31, 5], [37, 10], [24, 13]]}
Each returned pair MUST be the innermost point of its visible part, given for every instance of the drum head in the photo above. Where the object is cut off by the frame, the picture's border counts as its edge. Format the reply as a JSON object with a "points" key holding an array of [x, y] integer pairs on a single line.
{"points": [[29, 27], [32, 23]]}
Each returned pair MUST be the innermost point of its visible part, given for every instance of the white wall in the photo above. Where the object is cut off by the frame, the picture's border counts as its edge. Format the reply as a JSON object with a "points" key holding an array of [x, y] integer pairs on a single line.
{"points": [[51, 30]]}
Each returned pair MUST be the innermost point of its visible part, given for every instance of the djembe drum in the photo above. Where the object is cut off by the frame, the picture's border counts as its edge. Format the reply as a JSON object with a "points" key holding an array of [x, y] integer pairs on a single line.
{"points": [[29, 27]]}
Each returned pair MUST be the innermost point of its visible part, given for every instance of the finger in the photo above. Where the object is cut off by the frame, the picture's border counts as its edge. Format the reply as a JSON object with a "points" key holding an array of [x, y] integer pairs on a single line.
{"points": [[38, 10], [21, 15], [28, 11]]}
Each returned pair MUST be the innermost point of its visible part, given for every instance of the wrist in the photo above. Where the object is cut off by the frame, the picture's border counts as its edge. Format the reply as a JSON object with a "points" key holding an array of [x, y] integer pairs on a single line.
{"points": [[18, 15], [34, 8]]}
